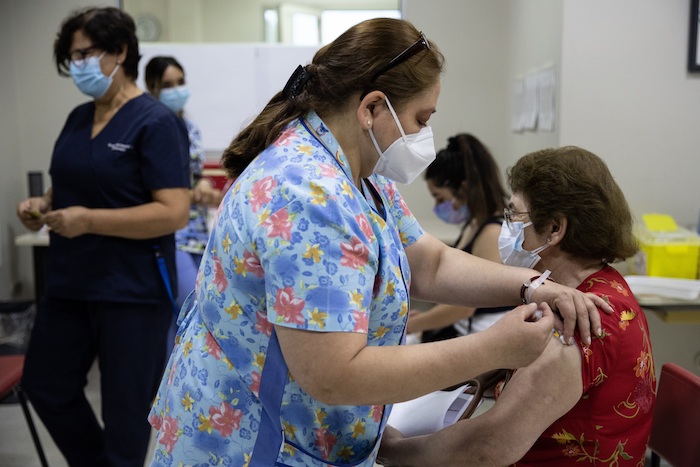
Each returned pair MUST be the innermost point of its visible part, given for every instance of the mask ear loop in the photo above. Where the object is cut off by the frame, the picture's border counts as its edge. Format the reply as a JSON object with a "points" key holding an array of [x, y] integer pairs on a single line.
{"points": [[114, 72], [396, 118]]}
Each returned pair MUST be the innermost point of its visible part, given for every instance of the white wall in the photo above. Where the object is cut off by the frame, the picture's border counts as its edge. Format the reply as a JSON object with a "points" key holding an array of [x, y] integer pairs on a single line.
{"points": [[35, 103], [626, 96], [473, 36], [10, 176], [534, 42]]}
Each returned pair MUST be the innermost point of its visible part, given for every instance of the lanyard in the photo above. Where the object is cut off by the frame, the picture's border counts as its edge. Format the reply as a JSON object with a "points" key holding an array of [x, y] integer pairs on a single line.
{"points": [[163, 268]]}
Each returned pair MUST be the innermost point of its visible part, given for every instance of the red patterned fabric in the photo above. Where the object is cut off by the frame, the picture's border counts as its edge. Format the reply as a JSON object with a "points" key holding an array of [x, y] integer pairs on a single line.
{"points": [[610, 424]]}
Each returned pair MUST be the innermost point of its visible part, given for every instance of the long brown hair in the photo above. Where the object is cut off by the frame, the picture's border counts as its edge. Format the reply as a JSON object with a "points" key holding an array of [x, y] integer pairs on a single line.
{"points": [[467, 166], [339, 71]]}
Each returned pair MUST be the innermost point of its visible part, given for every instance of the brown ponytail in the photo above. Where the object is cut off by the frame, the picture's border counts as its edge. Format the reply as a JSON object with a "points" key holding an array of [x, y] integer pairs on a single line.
{"points": [[340, 71]]}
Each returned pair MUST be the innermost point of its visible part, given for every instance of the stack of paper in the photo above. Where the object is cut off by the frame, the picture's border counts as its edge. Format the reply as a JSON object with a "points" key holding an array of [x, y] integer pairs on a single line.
{"points": [[430, 413]]}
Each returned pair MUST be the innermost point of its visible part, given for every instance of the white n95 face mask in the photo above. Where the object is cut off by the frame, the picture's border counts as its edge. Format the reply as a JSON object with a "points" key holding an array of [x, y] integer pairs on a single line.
{"points": [[510, 246], [408, 156]]}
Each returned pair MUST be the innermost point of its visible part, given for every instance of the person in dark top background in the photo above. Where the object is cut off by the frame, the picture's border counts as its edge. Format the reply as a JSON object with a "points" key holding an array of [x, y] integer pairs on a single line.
{"points": [[119, 190], [465, 182]]}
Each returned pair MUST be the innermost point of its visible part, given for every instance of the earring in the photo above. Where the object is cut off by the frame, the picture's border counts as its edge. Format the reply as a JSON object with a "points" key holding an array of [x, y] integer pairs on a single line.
{"points": [[369, 123]]}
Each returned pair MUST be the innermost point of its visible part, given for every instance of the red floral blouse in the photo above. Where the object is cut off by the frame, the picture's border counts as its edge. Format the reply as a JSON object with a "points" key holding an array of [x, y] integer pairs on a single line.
{"points": [[611, 422]]}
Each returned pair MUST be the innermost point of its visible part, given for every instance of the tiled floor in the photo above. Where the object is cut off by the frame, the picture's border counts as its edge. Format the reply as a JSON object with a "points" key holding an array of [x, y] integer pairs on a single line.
{"points": [[16, 446]]}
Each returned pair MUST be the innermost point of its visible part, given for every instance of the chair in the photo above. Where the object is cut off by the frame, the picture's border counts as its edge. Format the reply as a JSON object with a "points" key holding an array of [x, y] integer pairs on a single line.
{"points": [[11, 367], [676, 420]]}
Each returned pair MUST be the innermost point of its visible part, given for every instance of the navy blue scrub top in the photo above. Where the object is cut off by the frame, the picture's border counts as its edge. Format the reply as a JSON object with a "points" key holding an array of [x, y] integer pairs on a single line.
{"points": [[144, 147]]}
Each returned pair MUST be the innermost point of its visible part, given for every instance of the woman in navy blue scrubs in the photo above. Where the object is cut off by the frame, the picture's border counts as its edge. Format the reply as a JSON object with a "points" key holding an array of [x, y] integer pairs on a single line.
{"points": [[119, 189]]}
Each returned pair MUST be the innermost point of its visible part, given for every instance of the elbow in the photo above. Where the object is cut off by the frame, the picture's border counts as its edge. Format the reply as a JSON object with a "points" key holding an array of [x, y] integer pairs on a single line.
{"points": [[178, 217], [495, 453], [182, 219], [326, 391], [326, 394], [483, 447]]}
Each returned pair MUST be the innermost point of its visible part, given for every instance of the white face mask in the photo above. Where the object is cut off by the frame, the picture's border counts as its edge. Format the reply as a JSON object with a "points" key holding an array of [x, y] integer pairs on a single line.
{"points": [[408, 156], [510, 246]]}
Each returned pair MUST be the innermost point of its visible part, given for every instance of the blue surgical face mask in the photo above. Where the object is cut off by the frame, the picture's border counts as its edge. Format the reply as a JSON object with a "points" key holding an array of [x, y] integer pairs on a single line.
{"points": [[447, 213], [174, 98], [510, 246], [88, 76]]}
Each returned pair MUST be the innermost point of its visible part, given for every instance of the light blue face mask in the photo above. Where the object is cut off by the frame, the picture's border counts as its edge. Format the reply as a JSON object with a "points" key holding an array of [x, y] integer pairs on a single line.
{"points": [[447, 213], [88, 77], [510, 246], [175, 98]]}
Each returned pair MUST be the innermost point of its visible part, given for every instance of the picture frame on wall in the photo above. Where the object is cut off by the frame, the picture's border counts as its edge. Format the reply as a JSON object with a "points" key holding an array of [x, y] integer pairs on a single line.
{"points": [[694, 40]]}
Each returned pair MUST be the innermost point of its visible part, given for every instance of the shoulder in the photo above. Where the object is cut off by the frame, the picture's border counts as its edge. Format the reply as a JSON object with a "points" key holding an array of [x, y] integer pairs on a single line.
{"points": [[390, 191], [625, 332], [150, 108], [609, 284], [152, 113], [82, 111], [485, 244]]}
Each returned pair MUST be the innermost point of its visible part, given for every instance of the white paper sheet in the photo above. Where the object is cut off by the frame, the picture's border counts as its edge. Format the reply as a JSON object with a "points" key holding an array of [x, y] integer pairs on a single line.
{"points": [[530, 102], [546, 92], [516, 109], [429, 413]]}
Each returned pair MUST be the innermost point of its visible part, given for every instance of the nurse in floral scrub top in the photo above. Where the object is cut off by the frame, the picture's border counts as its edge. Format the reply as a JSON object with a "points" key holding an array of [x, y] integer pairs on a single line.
{"points": [[289, 350]]}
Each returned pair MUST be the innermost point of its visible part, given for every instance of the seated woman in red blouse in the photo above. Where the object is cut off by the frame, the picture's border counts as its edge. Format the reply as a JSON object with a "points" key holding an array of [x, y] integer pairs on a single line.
{"points": [[584, 404]]}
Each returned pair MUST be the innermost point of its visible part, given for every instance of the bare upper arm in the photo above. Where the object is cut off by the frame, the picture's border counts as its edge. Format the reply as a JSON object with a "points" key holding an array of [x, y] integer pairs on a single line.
{"points": [[298, 345], [175, 198], [535, 397], [177, 204]]}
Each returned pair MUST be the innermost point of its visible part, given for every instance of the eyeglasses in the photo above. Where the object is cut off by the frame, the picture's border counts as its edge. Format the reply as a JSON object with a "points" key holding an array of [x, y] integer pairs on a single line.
{"points": [[509, 214], [421, 44], [77, 57]]}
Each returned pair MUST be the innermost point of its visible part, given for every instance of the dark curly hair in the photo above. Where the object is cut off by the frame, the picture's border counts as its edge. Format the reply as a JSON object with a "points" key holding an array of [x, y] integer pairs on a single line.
{"points": [[110, 29]]}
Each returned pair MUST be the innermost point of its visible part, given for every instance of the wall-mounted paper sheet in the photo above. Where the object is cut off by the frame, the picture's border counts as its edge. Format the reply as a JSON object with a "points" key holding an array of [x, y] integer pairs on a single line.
{"points": [[546, 92]]}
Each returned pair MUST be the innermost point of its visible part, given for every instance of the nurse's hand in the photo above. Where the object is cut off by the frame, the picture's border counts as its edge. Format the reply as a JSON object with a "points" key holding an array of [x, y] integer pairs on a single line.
{"points": [[520, 336], [388, 450], [575, 308], [69, 222], [31, 212]]}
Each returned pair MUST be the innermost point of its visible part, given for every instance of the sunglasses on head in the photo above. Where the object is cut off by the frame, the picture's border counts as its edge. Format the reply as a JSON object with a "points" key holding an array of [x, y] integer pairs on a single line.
{"points": [[421, 44]]}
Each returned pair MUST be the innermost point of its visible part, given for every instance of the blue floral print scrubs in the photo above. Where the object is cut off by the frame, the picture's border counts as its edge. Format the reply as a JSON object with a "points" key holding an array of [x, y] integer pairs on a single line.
{"points": [[295, 244]]}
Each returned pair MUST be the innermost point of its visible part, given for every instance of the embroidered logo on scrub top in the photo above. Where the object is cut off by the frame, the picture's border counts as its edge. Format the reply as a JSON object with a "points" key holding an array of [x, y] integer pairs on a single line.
{"points": [[119, 147]]}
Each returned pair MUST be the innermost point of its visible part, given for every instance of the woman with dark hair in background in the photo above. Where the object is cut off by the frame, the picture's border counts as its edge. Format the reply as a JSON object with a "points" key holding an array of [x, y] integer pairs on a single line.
{"points": [[119, 191], [165, 80], [465, 182]]}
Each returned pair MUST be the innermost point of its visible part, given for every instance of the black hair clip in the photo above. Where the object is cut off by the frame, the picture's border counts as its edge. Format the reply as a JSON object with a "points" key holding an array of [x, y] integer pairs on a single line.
{"points": [[296, 83]]}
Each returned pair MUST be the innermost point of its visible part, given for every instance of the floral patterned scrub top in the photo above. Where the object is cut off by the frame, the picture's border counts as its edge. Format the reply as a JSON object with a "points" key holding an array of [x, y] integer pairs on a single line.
{"points": [[295, 244], [610, 424]]}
